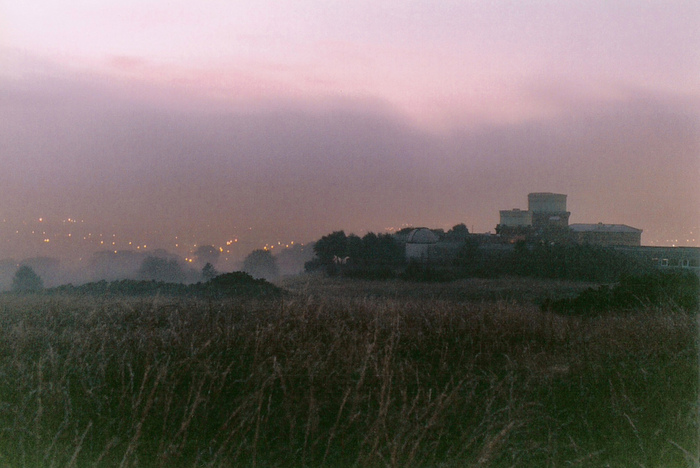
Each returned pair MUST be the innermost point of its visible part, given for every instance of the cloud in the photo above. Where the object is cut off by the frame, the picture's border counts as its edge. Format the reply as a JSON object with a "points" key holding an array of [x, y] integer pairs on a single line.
{"points": [[302, 168], [126, 62]]}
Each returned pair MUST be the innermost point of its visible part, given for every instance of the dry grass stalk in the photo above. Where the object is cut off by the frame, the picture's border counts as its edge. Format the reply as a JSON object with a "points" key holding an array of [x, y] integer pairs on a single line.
{"points": [[325, 380]]}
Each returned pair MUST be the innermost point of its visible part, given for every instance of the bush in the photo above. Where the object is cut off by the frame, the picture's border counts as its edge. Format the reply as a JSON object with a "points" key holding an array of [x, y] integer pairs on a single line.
{"points": [[237, 284], [679, 290]]}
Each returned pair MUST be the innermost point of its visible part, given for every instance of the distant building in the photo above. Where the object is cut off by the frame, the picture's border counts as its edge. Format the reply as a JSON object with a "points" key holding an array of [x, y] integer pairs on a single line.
{"points": [[546, 217], [420, 244], [516, 218], [606, 234], [548, 210], [686, 258]]}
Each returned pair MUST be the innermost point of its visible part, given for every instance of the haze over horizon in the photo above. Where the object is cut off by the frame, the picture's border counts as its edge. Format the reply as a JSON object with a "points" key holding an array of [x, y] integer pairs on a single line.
{"points": [[237, 124]]}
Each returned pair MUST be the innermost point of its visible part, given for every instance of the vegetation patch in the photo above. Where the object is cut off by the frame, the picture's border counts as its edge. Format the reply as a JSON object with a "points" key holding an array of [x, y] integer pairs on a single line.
{"points": [[329, 380], [382, 257], [679, 290], [427, 273], [227, 285]]}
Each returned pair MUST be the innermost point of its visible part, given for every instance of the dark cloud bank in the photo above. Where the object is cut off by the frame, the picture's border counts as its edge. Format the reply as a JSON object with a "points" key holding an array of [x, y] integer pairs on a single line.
{"points": [[298, 171]]}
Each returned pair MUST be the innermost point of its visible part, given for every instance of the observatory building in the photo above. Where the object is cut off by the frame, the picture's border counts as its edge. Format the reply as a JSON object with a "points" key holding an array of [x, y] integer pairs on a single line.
{"points": [[544, 210], [548, 209], [606, 234], [547, 216], [420, 244], [516, 218]]}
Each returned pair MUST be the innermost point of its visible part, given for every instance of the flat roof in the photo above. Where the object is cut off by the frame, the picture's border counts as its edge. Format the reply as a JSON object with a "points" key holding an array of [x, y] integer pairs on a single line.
{"points": [[600, 227]]}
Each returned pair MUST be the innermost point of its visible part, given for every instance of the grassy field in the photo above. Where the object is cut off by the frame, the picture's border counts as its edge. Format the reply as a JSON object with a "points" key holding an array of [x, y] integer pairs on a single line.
{"points": [[348, 373]]}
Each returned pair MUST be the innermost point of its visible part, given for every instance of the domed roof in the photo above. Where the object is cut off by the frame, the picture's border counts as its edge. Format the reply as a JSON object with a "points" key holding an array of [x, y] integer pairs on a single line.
{"points": [[422, 236]]}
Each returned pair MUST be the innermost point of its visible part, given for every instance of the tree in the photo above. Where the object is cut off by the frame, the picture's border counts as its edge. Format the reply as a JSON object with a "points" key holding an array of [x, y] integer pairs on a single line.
{"points": [[206, 254], [390, 252], [261, 264], [338, 253], [209, 272], [332, 245], [458, 233], [26, 280], [161, 269]]}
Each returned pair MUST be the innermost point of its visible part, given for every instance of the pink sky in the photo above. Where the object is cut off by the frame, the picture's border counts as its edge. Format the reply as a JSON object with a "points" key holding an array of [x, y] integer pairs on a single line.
{"points": [[436, 61], [454, 100]]}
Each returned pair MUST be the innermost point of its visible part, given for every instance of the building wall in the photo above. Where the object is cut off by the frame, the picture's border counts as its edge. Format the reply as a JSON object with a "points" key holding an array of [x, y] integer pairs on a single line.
{"points": [[558, 219], [608, 238], [684, 258], [419, 252], [548, 209], [515, 218], [546, 202]]}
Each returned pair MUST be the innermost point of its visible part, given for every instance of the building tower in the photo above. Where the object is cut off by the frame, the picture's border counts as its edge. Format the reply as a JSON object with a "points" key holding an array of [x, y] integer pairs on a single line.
{"points": [[548, 210]]}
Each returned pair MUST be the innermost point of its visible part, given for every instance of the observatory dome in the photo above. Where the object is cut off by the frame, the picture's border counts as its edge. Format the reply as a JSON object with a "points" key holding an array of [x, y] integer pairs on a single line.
{"points": [[422, 236]]}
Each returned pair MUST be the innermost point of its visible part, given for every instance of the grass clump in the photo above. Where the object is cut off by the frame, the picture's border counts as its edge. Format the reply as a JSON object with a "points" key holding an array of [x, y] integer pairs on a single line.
{"points": [[326, 380]]}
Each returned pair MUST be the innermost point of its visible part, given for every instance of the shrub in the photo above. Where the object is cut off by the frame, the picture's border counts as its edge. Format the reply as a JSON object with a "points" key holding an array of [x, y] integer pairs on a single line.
{"points": [[237, 284], [660, 289]]}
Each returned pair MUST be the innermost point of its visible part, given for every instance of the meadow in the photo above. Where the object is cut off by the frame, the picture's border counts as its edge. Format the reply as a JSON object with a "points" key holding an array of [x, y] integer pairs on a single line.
{"points": [[346, 373]]}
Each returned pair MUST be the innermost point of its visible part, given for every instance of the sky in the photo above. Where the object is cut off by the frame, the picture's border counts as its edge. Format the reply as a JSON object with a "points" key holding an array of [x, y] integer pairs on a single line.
{"points": [[171, 123]]}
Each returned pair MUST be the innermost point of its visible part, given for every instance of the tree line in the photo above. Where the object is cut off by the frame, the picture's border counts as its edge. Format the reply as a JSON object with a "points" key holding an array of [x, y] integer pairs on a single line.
{"points": [[382, 256], [371, 256]]}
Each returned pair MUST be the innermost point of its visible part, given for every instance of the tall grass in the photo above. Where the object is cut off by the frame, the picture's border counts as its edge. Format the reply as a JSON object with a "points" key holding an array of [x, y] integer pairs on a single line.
{"points": [[333, 381]]}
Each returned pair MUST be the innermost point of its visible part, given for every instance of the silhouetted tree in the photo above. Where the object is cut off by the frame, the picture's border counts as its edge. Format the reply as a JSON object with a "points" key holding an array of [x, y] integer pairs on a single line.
{"points": [[458, 233], [207, 254], [354, 247], [390, 251], [161, 269], [261, 264], [355, 256], [209, 272], [26, 280], [332, 245]]}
